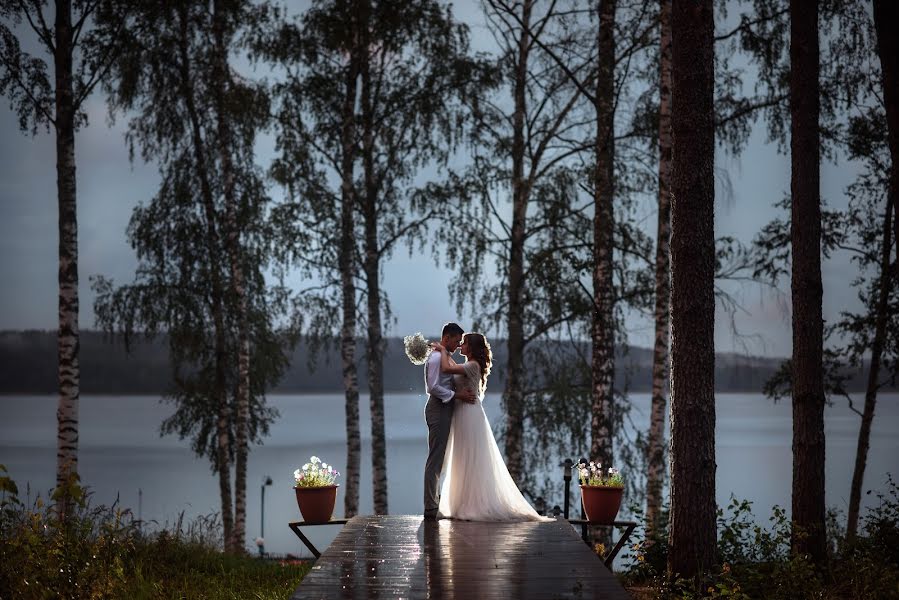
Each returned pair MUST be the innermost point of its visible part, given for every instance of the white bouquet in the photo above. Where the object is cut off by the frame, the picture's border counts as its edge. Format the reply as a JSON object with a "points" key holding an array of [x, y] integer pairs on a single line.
{"points": [[417, 348]]}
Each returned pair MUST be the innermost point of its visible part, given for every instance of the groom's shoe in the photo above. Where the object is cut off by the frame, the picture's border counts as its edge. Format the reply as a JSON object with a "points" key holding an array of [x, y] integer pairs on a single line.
{"points": [[430, 515]]}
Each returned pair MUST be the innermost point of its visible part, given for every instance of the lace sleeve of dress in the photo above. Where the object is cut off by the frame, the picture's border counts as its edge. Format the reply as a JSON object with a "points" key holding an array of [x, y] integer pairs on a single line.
{"points": [[473, 371]]}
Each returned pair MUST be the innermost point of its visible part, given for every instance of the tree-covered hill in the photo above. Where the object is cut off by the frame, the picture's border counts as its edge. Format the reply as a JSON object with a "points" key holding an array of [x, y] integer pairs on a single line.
{"points": [[28, 366]]}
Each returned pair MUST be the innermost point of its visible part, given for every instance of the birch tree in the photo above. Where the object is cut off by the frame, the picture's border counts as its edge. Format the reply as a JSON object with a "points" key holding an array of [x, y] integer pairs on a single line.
{"points": [[587, 288], [201, 241], [222, 88], [603, 321], [885, 14], [655, 446], [409, 68], [56, 103], [516, 188], [317, 143]]}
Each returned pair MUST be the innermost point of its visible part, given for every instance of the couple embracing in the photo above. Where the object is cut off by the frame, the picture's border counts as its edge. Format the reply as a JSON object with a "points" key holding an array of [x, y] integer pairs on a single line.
{"points": [[477, 486]]}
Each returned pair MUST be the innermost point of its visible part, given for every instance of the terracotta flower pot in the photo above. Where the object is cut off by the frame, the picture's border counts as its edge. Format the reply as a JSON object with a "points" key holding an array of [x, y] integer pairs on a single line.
{"points": [[601, 502], [316, 503]]}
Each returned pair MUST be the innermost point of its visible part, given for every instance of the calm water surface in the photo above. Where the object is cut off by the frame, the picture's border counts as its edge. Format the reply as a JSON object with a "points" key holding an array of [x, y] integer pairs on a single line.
{"points": [[121, 453]]}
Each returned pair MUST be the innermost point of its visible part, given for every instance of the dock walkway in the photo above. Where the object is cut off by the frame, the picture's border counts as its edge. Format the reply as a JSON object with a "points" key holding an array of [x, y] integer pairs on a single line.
{"points": [[407, 557]]}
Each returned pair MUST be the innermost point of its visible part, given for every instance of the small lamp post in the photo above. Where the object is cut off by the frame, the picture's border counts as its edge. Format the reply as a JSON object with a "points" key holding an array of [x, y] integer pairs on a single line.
{"points": [[566, 475], [267, 480]]}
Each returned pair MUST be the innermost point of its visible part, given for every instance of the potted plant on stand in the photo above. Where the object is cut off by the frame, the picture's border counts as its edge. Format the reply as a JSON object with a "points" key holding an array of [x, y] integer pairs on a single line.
{"points": [[601, 492], [316, 491]]}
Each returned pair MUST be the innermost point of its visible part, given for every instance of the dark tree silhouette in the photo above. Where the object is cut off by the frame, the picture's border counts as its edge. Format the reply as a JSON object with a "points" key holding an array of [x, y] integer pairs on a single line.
{"points": [[886, 15], [809, 536], [692, 526]]}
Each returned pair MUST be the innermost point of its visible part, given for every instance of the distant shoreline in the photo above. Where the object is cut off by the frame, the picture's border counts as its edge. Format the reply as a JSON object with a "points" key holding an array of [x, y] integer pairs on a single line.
{"points": [[28, 367]]}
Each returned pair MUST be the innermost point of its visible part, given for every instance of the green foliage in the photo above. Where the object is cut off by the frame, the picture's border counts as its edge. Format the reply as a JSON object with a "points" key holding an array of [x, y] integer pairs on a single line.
{"points": [[853, 122], [593, 474], [101, 552], [422, 68], [163, 83], [756, 561]]}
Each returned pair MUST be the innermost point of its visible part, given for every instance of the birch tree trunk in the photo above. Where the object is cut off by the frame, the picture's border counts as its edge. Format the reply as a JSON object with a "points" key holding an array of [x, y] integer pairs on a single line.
{"points": [[371, 266], [346, 265], [216, 296], [69, 372], [692, 527], [221, 81], [603, 326], [655, 449], [880, 330], [513, 395], [806, 289], [886, 15]]}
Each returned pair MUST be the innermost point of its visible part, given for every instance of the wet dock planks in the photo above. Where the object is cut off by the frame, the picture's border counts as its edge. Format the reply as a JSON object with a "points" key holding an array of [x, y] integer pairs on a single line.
{"points": [[406, 557]]}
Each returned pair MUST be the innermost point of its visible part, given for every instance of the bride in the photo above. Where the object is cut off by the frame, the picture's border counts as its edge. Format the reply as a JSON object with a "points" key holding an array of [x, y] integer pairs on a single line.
{"points": [[477, 486]]}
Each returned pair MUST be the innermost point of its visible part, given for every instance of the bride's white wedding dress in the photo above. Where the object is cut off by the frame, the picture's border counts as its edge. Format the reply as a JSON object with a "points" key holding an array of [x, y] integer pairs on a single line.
{"points": [[477, 486]]}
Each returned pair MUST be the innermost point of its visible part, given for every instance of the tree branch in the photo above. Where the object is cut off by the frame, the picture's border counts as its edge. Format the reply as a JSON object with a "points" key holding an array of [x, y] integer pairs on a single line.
{"points": [[751, 107], [745, 24], [43, 32]]}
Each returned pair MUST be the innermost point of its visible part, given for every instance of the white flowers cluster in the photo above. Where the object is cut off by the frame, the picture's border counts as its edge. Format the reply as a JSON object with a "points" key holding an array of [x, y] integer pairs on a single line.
{"points": [[315, 473], [592, 474], [417, 348]]}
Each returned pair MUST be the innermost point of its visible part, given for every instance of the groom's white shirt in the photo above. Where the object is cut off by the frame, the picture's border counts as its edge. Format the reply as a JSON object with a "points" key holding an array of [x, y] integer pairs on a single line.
{"points": [[438, 383]]}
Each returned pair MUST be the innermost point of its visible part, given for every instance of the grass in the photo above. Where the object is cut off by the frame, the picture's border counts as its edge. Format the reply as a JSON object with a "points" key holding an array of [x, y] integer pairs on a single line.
{"points": [[102, 552], [169, 568]]}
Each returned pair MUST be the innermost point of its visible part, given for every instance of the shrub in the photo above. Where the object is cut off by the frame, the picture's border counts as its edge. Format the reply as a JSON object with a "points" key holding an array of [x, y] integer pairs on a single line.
{"points": [[102, 552], [756, 561]]}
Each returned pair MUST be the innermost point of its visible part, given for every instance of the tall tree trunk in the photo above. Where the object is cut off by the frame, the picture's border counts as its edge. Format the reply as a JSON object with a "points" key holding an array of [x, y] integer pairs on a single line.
{"points": [[807, 292], [603, 330], [221, 82], [692, 528], [68, 345], [346, 264], [655, 447], [513, 395], [216, 296], [880, 330], [886, 15], [371, 266]]}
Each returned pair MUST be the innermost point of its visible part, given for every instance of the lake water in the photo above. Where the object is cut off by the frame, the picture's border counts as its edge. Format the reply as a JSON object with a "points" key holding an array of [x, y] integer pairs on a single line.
{"points": [[121, 452]]}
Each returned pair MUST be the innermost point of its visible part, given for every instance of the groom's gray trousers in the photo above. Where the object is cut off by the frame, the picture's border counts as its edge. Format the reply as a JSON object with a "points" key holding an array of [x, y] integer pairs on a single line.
{"points": [[439, 417]]}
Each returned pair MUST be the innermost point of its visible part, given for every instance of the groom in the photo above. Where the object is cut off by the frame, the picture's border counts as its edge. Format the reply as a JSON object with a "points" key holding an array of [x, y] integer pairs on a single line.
{"points": [[439, 414]]}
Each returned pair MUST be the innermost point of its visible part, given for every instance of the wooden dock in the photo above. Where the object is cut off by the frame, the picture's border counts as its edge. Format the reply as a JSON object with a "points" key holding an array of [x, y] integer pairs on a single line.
{"points": [[407, 557]]}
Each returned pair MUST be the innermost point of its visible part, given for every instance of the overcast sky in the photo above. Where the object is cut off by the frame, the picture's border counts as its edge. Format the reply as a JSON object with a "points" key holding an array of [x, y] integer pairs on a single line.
{"points": [[109, 187]]}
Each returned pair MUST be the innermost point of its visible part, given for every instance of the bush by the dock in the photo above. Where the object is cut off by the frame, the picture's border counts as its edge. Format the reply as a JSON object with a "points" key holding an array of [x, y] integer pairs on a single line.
{"points": [[756, 561], [103, 552]]}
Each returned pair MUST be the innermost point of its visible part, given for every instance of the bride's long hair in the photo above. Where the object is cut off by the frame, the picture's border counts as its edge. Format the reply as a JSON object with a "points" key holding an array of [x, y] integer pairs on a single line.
{"points": [[479, 351]]}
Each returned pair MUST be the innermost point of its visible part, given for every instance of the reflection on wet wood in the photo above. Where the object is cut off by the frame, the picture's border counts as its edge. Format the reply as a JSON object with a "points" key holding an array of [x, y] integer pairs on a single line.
{"points": [[406, 557]]}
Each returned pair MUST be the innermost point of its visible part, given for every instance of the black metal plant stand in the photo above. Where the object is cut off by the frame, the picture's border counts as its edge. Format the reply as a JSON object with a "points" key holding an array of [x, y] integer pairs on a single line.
{"points": [[295, 527], [629, 526]]}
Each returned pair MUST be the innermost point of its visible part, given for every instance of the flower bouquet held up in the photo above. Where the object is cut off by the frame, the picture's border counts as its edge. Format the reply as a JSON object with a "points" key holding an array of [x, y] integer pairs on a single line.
{"points": [[601, 491], [316, 490], [417, 348]]}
